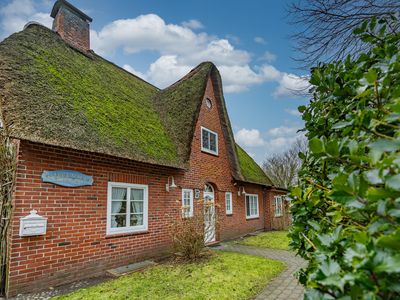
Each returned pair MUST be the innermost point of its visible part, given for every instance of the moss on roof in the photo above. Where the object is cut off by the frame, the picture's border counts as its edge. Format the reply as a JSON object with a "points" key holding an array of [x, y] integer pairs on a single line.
{"points": [[180, 103], [250, 170], [55, 94]]}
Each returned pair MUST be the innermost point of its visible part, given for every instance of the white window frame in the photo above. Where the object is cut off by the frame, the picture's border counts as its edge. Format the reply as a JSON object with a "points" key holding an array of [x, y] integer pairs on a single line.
{"points": [[278, 208], [254, 216], [216, 141], [228, 211], [127, 229], [190, 203]]}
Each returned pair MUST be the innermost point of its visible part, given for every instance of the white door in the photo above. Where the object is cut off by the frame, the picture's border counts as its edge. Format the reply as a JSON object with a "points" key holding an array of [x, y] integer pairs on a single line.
{"points": [[209, 214]]}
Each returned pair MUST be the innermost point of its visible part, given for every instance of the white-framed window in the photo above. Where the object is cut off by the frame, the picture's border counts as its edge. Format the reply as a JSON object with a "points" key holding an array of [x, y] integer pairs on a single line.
{"points": [[187, 203], [228, 203], [209, 141], [127, 208], [251, 206], [278, 206]]}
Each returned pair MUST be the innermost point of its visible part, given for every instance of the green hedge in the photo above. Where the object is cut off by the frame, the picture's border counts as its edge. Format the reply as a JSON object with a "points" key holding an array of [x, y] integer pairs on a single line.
{"points": [[346, 208]]}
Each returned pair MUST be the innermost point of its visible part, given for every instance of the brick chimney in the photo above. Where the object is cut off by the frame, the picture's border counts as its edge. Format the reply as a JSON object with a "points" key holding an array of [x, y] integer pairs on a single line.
{"points": [[71, 24]]}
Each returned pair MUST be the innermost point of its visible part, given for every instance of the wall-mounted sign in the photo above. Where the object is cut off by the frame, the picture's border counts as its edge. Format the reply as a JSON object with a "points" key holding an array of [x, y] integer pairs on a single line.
{"points": [[67, 178], [196, 194], [32, 224]]}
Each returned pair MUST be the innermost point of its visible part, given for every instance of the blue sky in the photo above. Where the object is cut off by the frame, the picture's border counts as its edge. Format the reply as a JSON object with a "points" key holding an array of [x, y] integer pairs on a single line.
{"points": [[162, 40]]}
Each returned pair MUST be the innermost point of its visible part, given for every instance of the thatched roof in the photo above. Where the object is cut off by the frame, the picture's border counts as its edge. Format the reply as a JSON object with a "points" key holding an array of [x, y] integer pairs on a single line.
{"points": [[54, 94]]}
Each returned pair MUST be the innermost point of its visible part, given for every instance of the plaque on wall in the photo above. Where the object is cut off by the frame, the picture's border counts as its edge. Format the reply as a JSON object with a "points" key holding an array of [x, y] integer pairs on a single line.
{"points": [[67, 178]]}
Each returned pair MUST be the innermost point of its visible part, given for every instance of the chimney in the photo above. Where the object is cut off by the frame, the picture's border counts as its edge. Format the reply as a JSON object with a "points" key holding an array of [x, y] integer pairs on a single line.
{"points": [[71, 24]]}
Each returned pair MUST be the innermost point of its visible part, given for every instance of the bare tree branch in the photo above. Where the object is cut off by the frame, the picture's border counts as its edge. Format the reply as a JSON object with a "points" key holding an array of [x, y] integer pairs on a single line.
{"points": [[282, 168], [325, 27]]}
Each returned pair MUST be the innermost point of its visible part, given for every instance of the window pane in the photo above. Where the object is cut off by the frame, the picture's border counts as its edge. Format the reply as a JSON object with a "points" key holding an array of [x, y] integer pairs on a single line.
{"points": [[118, 207], [206, 144], [247, 205], [118, 221], [136, 207], [213, 142], [228, 201], [136, 219], [118, 193], [137, 194]]}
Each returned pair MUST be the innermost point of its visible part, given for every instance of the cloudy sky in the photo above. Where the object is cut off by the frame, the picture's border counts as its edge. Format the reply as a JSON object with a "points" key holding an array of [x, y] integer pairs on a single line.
{"points": [[163, 40]]}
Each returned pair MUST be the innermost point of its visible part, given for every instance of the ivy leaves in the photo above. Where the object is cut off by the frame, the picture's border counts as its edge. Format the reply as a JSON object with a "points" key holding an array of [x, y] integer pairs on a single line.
{"points": [[346, 208]]}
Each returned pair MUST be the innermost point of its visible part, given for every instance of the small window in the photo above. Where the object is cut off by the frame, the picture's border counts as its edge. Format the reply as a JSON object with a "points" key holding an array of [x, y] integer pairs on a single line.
{"points": [[278, 206], [251, 206], [187, 203], [208, 103], [228, 203], [127, 208], [209, 141]]}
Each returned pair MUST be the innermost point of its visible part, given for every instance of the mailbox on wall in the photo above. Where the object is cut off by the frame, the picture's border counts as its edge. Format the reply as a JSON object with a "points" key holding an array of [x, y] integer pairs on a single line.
{"points": [[32, 225]]}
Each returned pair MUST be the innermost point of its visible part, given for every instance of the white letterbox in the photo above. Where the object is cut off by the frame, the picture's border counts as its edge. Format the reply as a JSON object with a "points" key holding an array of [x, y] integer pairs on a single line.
{"points": [[32, 225]]}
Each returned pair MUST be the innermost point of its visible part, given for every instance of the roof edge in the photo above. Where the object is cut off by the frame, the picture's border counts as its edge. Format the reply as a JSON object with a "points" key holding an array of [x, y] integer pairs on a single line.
{"points": [[180, 166], [225, 123]]}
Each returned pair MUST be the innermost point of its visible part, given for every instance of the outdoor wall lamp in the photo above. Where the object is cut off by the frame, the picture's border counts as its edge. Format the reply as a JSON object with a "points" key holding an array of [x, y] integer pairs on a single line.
{"points": [[243, 191], [168, 185]]}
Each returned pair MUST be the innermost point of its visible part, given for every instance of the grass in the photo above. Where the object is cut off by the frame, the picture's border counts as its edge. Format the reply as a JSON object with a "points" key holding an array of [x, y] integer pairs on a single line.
{"points": [[272, 239], [224, 276]]}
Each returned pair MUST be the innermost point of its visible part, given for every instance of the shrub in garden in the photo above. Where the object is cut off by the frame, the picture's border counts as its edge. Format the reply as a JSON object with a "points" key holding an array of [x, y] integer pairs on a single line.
{"points": [[188, 232], [346, 208]]}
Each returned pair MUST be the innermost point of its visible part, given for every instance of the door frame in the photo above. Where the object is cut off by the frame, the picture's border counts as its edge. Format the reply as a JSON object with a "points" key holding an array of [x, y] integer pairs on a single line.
{"points": [[209, 213]]}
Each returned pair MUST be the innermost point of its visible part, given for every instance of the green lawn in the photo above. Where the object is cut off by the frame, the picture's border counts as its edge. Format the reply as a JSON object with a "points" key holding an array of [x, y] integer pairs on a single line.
{"points": [[225, 276], [271, 239]]}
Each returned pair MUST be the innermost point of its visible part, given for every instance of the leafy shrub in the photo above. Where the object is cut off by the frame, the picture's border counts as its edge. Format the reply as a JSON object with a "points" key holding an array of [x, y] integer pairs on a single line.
{"points": [[346, 208], [188, 233]]}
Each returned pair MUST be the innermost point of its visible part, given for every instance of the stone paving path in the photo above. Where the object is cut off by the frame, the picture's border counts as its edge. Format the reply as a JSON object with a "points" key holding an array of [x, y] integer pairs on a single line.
{"points": [[283, 287]]}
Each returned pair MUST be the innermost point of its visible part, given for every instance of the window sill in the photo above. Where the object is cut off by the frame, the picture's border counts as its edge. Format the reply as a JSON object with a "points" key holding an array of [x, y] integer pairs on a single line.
{"points": [[229, 214], [118, 235], [209, 152], [278, 216], [252, 218]]}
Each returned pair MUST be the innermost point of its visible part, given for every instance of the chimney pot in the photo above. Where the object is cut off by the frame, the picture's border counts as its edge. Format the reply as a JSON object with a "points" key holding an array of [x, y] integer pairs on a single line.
{"points": [[71, 24]]}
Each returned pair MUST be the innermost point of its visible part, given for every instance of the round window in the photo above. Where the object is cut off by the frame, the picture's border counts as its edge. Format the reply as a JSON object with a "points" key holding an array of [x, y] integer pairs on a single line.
{"points": [[209, 103]]}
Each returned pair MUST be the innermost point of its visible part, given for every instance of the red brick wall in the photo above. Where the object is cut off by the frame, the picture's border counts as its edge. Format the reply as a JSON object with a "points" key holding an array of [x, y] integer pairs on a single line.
{"points": [[72, 29], [205, 167], [76, 245]]}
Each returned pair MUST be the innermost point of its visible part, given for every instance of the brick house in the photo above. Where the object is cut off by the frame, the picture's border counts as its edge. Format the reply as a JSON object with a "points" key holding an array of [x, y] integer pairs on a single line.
{"points": [[147, 152]]}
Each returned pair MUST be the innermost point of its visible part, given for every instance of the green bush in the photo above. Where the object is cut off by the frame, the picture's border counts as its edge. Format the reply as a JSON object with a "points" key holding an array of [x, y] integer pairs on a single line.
{"points": [[346, 208]]}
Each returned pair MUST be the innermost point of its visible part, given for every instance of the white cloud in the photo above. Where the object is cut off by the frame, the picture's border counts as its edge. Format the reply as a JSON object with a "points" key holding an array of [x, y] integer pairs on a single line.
{"points": [[249, 137], [282, 131], [193, 24], [290, 84], [268, 57], [180, 50], [259, 40], [17, 13], [281, 138], [293, 112], [263, 144], [130, 69], [165, 70]]}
